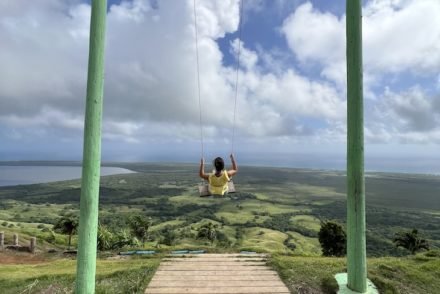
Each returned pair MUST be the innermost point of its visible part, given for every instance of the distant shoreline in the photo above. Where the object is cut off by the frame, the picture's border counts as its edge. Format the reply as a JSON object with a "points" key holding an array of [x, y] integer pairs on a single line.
{"points": [[130, 165]]}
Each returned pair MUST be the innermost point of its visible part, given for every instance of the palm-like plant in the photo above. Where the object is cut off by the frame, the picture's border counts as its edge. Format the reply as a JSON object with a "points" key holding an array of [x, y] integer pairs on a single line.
{"points": [[410, 241], [105, 238], [67, 225], [139, 226]]}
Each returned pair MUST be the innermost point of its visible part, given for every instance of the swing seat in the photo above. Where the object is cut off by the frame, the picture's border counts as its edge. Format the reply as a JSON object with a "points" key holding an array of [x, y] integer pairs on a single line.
{"points": [[204, 189]]}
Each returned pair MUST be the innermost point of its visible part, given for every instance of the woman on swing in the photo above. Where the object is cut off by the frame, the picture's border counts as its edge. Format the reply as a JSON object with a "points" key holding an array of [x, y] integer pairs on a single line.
{"points": [[218, 180]]}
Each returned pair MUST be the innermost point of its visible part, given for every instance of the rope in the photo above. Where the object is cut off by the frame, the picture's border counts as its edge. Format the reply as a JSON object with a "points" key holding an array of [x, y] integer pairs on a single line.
{"points": [[236, 77], [198, 79]]}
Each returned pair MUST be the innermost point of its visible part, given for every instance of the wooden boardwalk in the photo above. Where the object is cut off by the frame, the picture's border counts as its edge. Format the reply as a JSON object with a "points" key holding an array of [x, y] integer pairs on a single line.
{"points": [[216, 273]]}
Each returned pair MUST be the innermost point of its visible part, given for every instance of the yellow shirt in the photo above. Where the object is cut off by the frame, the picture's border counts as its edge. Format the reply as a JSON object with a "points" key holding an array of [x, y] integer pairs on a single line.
{"points": [[218, 185]]}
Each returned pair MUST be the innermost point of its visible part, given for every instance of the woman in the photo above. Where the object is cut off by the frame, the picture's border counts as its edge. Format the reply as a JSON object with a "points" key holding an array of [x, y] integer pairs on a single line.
{"points": [[218, 180]]}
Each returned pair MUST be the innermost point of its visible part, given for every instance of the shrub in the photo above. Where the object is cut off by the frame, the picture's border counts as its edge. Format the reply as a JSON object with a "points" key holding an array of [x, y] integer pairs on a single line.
{"points": [[332, 239], [167, 236], [410, 241], [207, 231]]}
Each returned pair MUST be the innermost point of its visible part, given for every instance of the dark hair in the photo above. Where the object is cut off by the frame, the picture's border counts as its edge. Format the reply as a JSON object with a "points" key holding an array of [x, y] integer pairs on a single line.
{"points": [[219, 164]]}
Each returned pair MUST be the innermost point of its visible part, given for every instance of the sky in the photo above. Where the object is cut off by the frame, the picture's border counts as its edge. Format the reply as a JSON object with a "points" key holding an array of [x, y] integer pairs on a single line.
{"points": [[291, 91]]}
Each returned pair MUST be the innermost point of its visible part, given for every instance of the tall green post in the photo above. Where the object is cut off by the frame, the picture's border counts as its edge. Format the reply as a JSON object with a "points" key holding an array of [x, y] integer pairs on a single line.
{"points": [[88, 222], [356, 244]]}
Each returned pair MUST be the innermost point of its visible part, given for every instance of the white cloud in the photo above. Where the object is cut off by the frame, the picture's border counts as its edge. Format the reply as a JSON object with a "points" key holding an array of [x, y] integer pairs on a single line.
{"points": [[150, 86], [411, 116], [397, 36]]}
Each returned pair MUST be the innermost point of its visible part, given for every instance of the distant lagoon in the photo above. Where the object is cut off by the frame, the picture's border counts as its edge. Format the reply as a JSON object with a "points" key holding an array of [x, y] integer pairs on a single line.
{"points": [[24, 175]]}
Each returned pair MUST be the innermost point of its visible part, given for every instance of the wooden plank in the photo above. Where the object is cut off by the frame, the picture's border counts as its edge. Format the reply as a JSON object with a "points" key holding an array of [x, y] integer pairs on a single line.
{"points": [[210, 273], [209, 255], [217, 290], [214, 263], [230, 259], [183, 267], [268, 277], [216, 274], [207, 284]]}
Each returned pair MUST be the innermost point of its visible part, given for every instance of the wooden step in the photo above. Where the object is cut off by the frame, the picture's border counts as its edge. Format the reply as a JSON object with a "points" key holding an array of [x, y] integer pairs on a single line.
{"points": [[216, 274]]}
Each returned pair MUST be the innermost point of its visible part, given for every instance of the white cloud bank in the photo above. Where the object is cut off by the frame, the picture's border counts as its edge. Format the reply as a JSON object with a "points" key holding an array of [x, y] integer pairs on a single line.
{"points": [[150, 86], [399, 37]]}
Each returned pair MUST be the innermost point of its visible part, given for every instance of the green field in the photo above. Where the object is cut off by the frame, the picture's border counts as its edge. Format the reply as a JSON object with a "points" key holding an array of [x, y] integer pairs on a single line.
{"points": [[276, 210]]}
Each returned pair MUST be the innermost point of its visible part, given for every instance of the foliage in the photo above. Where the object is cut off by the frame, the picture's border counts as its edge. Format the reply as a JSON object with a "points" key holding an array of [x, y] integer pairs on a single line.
{"points": [[108, 240], [332, 239], [410, 241], [105, 238], [139, 226], [67, 225], [167, 236], [208, 231]]}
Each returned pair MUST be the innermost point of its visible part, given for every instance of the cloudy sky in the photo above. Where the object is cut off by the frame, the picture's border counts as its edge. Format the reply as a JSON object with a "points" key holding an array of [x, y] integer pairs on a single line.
{"points": [[292, 79]]}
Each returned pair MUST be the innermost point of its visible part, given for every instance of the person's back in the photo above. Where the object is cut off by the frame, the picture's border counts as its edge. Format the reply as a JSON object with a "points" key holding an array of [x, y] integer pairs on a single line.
{"points": [[218, 180]]}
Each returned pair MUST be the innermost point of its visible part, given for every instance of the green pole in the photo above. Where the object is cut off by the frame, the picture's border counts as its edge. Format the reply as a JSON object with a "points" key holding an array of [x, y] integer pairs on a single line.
{"points": [[356, 245], [88, 222]]}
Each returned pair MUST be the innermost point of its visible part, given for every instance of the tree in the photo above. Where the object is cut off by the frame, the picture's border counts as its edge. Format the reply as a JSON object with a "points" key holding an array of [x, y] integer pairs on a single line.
{"points": [[207, 231], [139, 226], [333, 239], [410, 241], [67, 225]]}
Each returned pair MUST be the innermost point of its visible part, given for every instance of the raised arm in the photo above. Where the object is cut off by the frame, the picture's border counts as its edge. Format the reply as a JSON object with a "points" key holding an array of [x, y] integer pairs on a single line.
{"points": [[234, 169], [202, 170]]}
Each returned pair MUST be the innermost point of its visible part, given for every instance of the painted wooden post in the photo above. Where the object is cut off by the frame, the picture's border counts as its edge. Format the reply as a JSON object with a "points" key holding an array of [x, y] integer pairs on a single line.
{"points": [[88, 222], [356, 245], [33, 244], [15, 240]]}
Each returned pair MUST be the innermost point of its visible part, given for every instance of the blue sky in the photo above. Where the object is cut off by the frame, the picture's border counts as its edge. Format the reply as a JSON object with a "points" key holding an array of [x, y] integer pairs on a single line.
{"points": [[291, 97]]}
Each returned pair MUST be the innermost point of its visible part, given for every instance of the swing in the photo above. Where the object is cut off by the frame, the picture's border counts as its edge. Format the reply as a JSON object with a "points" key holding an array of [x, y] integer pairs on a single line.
{"points": [[203, 188]]}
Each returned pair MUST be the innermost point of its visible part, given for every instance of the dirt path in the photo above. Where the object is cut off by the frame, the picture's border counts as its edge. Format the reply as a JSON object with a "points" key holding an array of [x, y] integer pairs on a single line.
{"points": [[11, 257], [216, 273]]}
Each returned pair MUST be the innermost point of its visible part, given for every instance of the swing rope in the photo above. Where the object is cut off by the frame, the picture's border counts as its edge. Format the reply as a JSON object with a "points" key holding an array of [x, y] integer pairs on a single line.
{"points": [[198, 79], [236, 77], [237, 71]]}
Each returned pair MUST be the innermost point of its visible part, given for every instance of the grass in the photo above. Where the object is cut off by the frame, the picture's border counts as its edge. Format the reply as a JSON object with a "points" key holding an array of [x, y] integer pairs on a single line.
{"points": [[27, 230], [264, 240], [409, 275], [250, 219], [112, 276], [305, 246], [307, 221]]}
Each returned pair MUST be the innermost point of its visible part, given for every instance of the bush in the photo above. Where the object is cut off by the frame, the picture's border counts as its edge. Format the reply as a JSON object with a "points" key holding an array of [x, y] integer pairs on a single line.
{"points": [[333, 239], [208, 231], [168, 236], [410, 241], [5, 224]]}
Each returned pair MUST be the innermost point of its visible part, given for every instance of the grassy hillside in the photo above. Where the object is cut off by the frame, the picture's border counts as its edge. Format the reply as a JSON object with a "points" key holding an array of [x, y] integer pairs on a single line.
{"points": [[277, 204], [112, 276], [276, 210], [407, 275]]}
